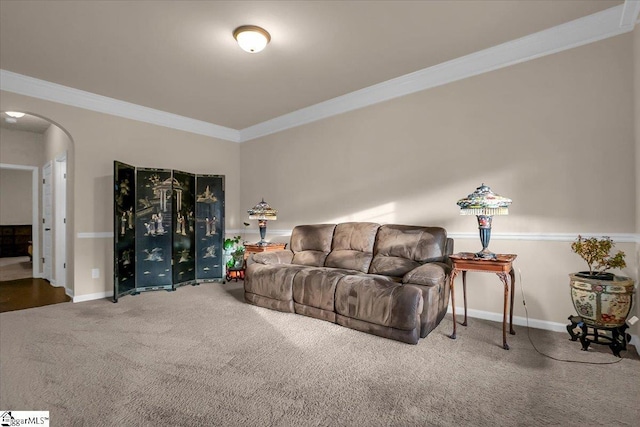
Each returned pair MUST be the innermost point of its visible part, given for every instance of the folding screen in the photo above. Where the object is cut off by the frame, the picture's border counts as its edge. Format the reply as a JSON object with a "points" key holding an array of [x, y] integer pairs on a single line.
{"points": [[168, 229], [184, 237], [153, 229], [124, 242], [209, 226]]}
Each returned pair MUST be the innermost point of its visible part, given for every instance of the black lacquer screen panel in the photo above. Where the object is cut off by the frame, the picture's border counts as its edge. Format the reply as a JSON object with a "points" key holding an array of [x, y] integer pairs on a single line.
{"points": [[124, 241], [153, 228], [168, 229], [184, 238], [209, 226]]}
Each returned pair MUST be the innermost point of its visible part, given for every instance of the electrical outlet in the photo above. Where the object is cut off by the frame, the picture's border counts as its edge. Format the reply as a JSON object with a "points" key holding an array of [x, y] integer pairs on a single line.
{"points": [[95, 273], [632, 320]]}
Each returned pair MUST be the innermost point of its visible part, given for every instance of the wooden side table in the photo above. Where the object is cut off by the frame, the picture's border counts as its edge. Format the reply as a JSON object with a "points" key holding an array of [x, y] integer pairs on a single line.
{"points": [[235, 273], [238, 272], [502, 265], [255, 248]]}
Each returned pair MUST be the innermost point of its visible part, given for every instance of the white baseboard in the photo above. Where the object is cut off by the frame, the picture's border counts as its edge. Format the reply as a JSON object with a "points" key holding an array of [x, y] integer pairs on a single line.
{"points": [[90, 297], [521, 321], [53, 282], [69, 292], [517, 320]]}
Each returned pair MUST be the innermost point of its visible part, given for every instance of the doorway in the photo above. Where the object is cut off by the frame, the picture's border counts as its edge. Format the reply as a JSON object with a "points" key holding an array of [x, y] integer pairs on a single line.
{"points": [[43, 148], [33, 251]]}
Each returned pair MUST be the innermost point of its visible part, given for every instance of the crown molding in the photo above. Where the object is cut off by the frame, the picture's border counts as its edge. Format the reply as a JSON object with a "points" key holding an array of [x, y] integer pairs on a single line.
{"points": [[607, 23], [41, 89], [588, 29], [630, 12]]}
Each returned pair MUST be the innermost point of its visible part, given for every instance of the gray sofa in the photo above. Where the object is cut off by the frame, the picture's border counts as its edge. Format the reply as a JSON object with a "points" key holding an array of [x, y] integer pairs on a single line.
{"points": [[389, 280]]}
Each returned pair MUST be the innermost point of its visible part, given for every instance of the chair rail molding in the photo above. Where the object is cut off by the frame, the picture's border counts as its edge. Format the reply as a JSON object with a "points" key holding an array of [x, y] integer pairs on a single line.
{"points": [[552, 237]]}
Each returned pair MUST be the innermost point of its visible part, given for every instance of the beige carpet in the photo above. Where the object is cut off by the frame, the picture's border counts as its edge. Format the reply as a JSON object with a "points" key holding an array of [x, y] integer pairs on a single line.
{"points": [[14, 268], [200, 356]]}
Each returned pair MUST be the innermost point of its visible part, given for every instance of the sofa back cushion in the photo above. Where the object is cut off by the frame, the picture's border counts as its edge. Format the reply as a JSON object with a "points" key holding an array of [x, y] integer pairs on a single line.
{"points": [[352, 246], [311, 244], [401, 248]]}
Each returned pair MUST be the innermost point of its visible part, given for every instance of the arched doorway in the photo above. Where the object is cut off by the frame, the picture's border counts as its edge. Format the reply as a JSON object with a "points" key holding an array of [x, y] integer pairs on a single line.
{"points": [[36, 146]]}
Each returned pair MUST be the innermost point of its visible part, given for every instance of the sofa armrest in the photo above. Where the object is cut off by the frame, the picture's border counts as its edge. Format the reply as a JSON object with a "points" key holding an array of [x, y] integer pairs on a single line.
{"points": [[433, 280], [448, 251], [271, 257], [432, 273]]}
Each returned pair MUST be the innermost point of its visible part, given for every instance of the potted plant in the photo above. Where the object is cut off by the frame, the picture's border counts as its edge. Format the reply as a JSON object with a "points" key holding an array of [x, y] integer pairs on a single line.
{"points": [[602, 299], [234, 252]]}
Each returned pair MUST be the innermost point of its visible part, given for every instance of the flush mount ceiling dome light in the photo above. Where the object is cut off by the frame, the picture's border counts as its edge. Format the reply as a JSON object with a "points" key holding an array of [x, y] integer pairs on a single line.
{"points": [[251, 38], [14, 114]]}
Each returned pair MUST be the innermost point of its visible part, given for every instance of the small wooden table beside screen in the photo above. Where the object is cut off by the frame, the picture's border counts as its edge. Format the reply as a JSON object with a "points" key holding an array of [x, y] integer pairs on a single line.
{"points": [[502, 266], [256, 248]]}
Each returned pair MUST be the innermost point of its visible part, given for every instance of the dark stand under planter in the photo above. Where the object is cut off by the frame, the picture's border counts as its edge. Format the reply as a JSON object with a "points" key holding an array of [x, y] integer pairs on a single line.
{"points": [[617, 341]]}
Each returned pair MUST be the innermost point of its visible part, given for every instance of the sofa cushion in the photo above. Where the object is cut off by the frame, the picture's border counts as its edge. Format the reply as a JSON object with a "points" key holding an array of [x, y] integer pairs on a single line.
{"points": [[401, 248], [311, 244], [272, 257], [380, 302], [316, 286], [352, 246], [433, 273], [271, 281]]}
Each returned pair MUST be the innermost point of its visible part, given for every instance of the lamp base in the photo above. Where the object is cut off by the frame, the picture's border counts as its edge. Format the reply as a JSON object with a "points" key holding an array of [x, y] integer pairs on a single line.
{"points": [[484, 226], [262, 225], [485, 254]]}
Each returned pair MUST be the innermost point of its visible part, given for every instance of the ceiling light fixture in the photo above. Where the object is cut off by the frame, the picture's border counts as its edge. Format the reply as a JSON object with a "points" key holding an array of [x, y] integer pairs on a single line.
{"points": [[251, 38], [14, 114]]}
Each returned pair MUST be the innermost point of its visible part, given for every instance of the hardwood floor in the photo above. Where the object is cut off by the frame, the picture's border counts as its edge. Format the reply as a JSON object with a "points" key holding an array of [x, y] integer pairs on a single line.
{"points": [[27, 293], [13, 268]]}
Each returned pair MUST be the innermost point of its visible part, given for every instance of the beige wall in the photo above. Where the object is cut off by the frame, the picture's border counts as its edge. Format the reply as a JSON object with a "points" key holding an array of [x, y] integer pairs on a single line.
{"points": [[98, 140], [56, 142], [15, 197], [636, 115], [555, 134], [21, 148]]}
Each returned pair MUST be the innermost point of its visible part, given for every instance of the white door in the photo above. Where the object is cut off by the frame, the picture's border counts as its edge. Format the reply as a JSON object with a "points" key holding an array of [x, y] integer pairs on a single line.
{"points": [[60, 220], [47, 222]]}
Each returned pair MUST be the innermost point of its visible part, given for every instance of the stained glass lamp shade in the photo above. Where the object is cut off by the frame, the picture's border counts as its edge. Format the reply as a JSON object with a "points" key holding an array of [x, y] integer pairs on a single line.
{"points": [[484, 203], [263, 212]]}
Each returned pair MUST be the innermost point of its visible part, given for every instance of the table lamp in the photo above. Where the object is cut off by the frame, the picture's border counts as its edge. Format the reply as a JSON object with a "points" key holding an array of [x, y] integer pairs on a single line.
{"points": [[263, 212], [484, 203]]}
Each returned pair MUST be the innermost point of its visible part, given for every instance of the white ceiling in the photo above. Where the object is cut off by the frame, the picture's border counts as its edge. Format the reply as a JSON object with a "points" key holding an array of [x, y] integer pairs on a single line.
{"points": [[180, 56], [28, 123]]}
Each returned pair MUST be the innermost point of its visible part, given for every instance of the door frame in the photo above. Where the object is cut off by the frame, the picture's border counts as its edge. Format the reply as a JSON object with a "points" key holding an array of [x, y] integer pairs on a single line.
{"points": [[48, 265], [59, 220], [35, 214]]}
